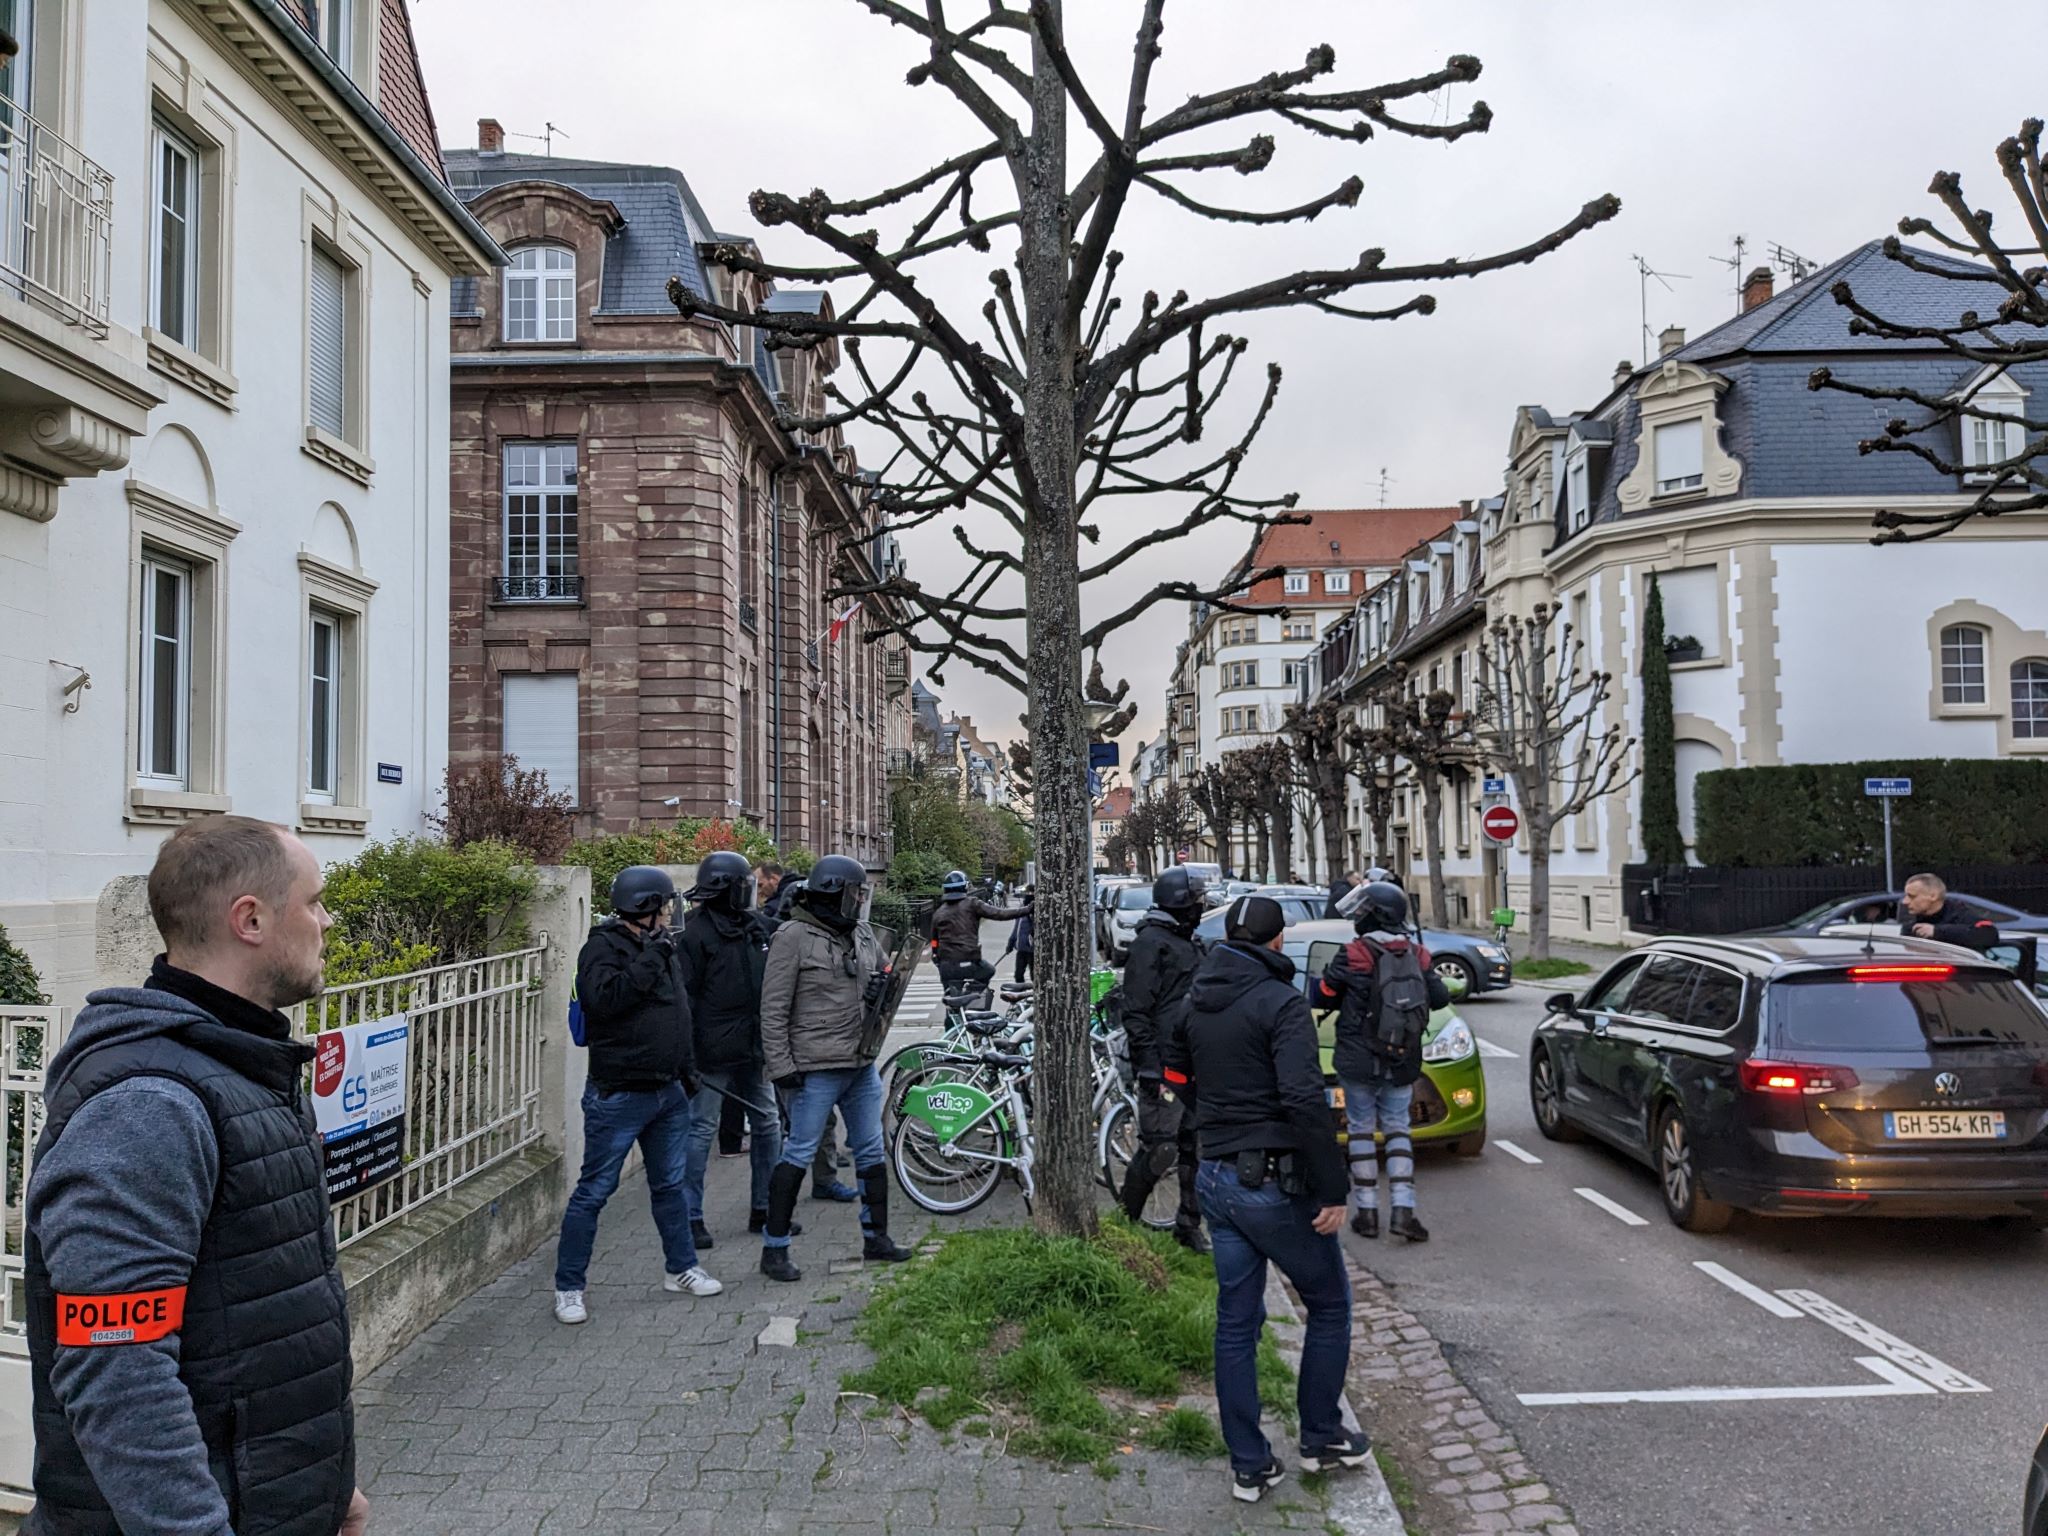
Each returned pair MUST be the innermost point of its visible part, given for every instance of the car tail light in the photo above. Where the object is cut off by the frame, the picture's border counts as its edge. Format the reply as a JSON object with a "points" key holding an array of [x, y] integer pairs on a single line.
{"points": [[1901, 972], [1790, 1077]]}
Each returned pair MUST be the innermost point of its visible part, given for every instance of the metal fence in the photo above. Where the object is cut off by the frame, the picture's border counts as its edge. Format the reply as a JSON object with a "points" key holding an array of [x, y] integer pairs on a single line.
{"points": [[473, 1072], [1711, 899], [28, 1038]]}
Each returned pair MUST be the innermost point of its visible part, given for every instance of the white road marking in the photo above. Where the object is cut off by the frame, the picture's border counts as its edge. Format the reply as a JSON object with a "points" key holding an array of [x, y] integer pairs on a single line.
{"points": [[1742, 1287], [1517, 1153], [1620, 1213], [1488, 1048], [1935, 1372], [1893, 1383]]}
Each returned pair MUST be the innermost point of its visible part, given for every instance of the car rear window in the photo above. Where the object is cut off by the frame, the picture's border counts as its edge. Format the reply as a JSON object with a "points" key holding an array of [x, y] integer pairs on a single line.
{"points": [[1134, 898], [1834, 1013]]}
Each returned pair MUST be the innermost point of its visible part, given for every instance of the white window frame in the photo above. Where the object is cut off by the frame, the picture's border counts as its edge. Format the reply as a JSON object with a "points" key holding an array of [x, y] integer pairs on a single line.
{"points": [[1337, 581], [165, 142], [1295, 583], [544, 276], [327, 270], [166, 530], [328, 239], [1957, 643], [157, 564], [2029, 681], [1578, 492], [323, 717], [339, 596], [1693, 480], [548, 470], [335, 23]]}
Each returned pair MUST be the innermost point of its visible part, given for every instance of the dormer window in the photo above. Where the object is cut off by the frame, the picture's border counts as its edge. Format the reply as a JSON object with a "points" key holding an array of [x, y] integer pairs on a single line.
{"points": [[1578, 492], [1295, 584], [1336, 581], [1680, 461], [1999, 433], [540, 294]]}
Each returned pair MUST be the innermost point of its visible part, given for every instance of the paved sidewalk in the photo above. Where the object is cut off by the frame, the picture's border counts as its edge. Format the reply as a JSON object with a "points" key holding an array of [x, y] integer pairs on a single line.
{"points": [[668, 1414]]}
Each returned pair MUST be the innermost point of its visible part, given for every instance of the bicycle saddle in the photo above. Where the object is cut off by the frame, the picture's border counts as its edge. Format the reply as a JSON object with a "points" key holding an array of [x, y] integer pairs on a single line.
{"points": [[1004, 1059], [1013, 993], [986, 1024]]}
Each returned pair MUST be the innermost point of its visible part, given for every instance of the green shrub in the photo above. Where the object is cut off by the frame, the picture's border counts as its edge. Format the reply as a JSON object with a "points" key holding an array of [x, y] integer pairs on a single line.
{"points": [[1961, 811], [685, 843], [19, 982], [395, 902]]}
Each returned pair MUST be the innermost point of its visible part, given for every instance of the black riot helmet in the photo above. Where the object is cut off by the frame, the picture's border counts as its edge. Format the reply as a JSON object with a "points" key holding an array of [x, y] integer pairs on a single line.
{"points": [[724, 881], [834, 888], [1377, 907], [1181, 892], [641, 890]]}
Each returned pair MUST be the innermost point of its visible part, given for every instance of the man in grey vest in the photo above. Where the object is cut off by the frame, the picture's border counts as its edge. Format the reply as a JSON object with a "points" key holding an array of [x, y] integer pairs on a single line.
{"points": [[187, 1326]]}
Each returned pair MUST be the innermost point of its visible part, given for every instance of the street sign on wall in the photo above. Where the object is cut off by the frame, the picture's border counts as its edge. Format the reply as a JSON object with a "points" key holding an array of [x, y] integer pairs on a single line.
{"points": [[1493, 786], [1500, 823], [1888, 789]]}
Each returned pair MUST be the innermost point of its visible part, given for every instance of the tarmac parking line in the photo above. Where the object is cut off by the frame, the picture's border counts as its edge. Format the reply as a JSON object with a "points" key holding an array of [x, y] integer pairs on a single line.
{"points": [[1892, 1382], [1620, 1213], [1935, 1372], [1517, 1153], [1741, 1287], [1488, 1048]]}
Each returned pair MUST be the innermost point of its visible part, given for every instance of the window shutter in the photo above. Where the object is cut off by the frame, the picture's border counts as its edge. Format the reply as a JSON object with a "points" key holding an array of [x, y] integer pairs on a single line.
{"points": [[327, 349], [1679, 454], [541, 726]]}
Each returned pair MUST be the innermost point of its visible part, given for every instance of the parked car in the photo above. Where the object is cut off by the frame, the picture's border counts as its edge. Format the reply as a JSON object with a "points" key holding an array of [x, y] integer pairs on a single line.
{"points": [[1808, 1076], [1467, 964], [1121, 918], [1106, 888], [1450, 1097], [2024, 954], [1881, 908]]}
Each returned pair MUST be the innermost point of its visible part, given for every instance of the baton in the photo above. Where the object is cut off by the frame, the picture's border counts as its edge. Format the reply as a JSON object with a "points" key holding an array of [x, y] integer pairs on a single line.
{"points": [[735, 1098]]}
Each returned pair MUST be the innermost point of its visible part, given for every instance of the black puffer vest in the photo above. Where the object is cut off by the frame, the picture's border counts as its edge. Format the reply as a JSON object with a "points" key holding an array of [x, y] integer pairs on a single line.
{"points": [[264, 1349]]}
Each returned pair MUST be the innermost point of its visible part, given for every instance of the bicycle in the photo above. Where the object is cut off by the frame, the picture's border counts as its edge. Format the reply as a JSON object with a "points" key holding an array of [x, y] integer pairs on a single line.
{"points": [[958, 1135], [1503, 925]]}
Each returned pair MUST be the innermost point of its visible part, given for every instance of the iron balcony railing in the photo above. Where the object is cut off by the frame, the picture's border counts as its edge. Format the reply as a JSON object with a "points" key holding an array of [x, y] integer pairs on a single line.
{"points": [[750, 619], [57, 227], [540, 589]]}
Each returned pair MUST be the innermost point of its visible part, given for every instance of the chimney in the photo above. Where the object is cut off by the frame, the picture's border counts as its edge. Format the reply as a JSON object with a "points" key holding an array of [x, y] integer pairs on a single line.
{"points": [[1670, 339], [1756, 289], [490, 136], [1623, 372]]}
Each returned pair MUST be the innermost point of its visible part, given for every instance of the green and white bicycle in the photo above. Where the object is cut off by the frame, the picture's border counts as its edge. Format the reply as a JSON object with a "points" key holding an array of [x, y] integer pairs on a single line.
{"points": [[962, 1123]]}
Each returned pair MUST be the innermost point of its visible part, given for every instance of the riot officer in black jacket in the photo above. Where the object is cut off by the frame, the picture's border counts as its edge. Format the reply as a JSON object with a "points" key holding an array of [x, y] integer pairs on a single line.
{"points": [[1155, 987]]}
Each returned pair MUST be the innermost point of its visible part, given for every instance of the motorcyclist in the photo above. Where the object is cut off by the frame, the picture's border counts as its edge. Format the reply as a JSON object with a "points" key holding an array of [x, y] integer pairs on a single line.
{"points": [[1162, 961], [821, 1028], [956, 931]]}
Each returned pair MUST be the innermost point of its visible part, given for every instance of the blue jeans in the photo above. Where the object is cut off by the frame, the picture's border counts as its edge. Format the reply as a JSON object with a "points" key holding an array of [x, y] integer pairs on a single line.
{"points": [[857, 1092], [1378, 1106], [1248, 1227], [764, 1124], [612, 1122]]}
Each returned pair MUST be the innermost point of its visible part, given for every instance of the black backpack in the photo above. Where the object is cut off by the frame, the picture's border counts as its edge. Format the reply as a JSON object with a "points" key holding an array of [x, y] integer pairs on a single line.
{"points": [[1403, 994]]}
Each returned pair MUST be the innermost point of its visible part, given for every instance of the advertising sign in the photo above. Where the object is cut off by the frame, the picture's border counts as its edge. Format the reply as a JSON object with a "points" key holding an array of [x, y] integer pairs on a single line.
{"points": [[359, 1078]]}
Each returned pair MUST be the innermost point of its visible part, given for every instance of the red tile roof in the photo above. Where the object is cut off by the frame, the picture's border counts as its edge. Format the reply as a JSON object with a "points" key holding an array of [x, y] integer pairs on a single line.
{"points": [[401, 88], [1116, 805], [1375, 537]]}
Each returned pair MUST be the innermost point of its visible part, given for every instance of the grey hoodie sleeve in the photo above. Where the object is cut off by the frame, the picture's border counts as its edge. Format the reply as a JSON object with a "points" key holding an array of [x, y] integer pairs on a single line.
{"points": [[118, 1205]]}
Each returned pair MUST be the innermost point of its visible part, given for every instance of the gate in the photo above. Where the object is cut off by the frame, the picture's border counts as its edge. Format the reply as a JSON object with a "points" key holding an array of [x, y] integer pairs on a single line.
{"points": [[29, 1036]]}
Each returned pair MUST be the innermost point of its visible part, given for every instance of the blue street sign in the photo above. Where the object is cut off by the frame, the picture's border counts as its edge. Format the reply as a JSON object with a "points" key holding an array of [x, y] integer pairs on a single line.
{"points": [[1493, 786], [1103, 754], [1893, 789], [390, 773], [1094, 785]]}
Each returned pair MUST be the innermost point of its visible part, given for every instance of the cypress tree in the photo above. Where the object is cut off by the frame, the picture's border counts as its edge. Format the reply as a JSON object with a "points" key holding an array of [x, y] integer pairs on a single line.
{"points": [[1662, 843]]}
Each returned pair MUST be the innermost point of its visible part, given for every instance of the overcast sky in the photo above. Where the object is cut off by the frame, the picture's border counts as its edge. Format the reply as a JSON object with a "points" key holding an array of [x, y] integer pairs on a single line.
{"points": [[1815, 125]]}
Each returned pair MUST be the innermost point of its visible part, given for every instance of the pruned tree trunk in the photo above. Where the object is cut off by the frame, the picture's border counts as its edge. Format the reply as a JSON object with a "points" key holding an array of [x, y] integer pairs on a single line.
{"points": [[1433, 846]]}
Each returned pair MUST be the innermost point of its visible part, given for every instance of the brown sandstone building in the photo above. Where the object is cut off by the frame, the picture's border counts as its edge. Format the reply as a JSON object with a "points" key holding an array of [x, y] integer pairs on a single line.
{"points": [[641, 556]]}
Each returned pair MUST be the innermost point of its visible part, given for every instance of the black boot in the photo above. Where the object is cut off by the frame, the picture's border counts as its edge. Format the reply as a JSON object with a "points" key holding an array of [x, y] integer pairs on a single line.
{"points": [[1187, 1225], [757, 1221], [700, 1237], [876, 1246], [1191, 1236], [1405, 1224], [1366, 1222], [783, 1185]]}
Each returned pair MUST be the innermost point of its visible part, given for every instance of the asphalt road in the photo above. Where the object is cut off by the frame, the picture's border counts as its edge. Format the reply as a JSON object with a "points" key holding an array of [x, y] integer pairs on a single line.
{"points": [[1536, 1290]]}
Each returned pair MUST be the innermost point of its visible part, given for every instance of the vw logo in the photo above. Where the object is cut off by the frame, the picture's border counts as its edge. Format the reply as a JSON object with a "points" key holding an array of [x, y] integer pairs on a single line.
{"points": [[1948, 1085]]}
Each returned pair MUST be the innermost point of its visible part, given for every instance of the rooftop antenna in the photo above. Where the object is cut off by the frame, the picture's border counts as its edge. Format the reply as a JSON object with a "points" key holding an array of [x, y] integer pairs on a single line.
{"points": [[546, 139], [1791, 263], [1644, 272], [1735, 262], [1385, 481]]}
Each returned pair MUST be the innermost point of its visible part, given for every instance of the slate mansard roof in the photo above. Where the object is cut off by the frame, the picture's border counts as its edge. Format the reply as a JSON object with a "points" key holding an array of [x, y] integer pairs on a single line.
{"points": [[1793, 441]]}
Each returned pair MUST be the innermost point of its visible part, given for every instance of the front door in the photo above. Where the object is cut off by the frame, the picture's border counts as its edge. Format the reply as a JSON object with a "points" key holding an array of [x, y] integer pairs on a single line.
{"points": [[1620, 1061]]}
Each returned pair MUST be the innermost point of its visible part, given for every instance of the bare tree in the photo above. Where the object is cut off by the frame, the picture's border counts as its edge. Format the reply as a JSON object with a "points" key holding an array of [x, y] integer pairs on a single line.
{"points": [[1061, 399], [1539, 718], [1371, 763], [1317, 731], [1267, 775], [1214, 792], [1428, 732], [1976, 429]]}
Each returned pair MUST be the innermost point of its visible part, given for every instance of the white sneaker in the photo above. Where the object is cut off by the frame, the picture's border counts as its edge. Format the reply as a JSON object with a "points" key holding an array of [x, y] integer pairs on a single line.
{"points": [[569, 1307], [696, 1280]]}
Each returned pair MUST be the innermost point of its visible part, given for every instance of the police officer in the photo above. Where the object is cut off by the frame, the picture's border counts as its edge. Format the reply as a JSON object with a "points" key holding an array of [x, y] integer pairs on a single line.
{"points": [[956, 931], [636, 1021], [187, 1329], [1160, 966], [821, 1028], [1272, 1186], [724, 951]]}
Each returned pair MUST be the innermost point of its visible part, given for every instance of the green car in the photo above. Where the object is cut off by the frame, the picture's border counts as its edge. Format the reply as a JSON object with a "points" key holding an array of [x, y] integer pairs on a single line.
{"points": [[1450, 1097]]}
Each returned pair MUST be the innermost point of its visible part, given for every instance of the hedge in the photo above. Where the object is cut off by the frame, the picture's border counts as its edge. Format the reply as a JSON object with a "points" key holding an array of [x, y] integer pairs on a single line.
{"points": [[1962, 811]]}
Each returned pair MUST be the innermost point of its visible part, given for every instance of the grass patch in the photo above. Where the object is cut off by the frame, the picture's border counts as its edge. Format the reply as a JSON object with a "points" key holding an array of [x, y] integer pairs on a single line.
{"points": [[1057, 1345], [1550, 970], [1397, 1483]]}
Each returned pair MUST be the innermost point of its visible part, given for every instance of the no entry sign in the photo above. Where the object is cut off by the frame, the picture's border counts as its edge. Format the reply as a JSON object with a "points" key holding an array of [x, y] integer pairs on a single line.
{"points": [[1500, 823]]}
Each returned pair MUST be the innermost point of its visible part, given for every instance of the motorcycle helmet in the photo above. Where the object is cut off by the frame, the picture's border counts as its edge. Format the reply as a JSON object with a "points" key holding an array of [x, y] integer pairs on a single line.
{"points": [[834, 890], [1376, 907], [955, 883], [641, 890], [724, 881], [1180, 892]]}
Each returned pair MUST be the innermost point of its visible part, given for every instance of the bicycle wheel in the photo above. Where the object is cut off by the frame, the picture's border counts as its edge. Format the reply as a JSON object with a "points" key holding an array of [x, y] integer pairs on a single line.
{"points": [[1119, 1148], [938, 1176]]}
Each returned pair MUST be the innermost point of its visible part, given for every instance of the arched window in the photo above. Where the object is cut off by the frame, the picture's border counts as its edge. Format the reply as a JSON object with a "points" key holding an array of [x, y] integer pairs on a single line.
{"points": [[1962, 664], [2030, 699], [540, 294]]}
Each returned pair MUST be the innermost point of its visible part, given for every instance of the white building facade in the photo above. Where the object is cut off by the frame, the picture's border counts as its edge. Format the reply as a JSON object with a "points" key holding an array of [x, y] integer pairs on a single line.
{"points": [[224, 503]]}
